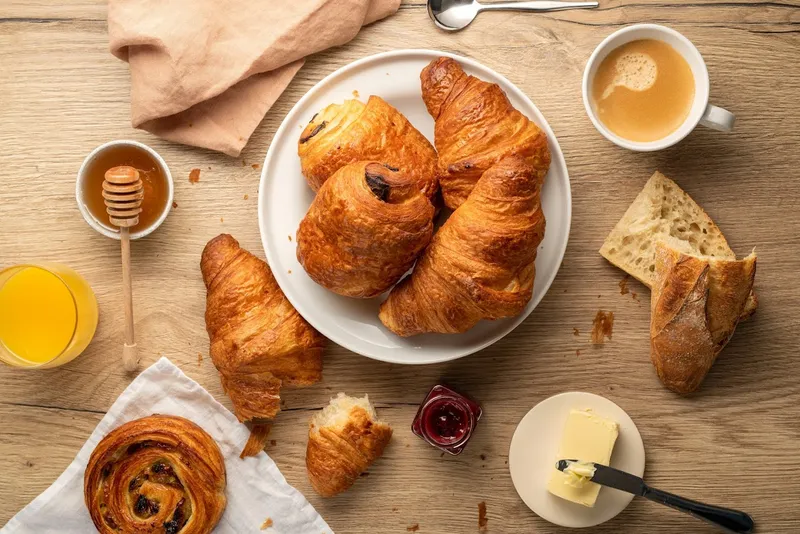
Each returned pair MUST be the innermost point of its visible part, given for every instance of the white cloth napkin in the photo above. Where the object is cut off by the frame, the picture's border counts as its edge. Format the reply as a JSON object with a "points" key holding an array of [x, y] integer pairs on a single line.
{"points": [[256, 488]]}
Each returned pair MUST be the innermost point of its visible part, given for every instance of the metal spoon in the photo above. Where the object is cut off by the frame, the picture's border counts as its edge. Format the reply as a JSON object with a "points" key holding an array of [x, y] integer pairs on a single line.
{"points": [[454, 15]]}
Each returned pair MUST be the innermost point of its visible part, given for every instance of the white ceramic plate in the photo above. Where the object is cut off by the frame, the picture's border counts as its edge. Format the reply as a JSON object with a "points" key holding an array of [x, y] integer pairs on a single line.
{"points": [[284, 198], [533, 453]]}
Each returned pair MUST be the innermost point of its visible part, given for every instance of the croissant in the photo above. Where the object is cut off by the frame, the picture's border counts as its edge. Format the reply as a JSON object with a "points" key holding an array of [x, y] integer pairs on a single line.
{"points": [[364, 230], [695, 305], [480, 264], [156, 474], [258, 340], [343, 440], [476, 126], [345, 133]]}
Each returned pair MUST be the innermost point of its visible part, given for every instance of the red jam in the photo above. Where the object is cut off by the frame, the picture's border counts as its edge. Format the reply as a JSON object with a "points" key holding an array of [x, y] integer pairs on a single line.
{"points": [[446, 419]]}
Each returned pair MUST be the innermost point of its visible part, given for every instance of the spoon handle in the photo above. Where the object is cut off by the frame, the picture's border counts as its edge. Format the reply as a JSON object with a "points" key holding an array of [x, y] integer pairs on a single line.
{"points": [[130, 353], [537, 5], [731, 521]]}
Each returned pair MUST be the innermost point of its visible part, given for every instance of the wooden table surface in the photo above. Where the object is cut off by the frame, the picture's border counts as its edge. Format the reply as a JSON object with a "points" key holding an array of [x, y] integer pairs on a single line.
{"points": [[733, 443]]}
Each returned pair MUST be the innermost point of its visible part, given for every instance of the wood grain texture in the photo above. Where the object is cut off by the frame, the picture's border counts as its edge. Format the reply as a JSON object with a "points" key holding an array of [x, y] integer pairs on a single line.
{"points": [[62, 94]]}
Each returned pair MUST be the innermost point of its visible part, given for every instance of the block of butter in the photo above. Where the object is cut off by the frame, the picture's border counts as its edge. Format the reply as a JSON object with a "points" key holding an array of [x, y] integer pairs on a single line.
{"points": [[589, 438]]}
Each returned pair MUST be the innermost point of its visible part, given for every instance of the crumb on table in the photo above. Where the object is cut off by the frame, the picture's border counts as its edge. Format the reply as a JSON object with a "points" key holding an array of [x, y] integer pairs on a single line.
{"points": [[194, 176], [266, 524]]}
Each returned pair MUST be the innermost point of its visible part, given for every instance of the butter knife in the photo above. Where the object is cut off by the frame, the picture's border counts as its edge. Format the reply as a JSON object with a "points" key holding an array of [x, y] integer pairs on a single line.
{"points": [[731, 521]]}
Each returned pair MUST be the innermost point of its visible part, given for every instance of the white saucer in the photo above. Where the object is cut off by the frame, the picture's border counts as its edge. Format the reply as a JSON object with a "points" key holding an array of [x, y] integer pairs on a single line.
{"points": [[533, 455], [284, 198]]}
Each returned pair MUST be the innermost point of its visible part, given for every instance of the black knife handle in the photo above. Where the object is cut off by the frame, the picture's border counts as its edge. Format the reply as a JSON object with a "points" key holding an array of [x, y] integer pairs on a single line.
{"points": [[731, 521]]}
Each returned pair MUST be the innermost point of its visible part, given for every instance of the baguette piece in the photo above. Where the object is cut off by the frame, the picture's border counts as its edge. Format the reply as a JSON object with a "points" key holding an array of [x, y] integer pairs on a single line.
{"points": [[664, 212], [343, 440], [695, 306]]}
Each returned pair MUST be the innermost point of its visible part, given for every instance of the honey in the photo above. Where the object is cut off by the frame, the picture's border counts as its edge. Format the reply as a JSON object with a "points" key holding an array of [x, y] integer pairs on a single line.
{"points": [[156, 189]]}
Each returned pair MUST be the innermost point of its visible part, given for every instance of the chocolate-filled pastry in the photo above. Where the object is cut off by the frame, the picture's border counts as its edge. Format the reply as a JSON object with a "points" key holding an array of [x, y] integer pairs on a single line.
{"points": [[156, 474], [476, 126], [480, 264], [364, 230], [258, 340], [346, 133]]}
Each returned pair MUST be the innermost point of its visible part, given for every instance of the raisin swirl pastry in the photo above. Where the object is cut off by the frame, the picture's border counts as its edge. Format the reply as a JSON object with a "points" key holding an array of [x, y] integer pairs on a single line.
{"points": [[160, 474], [353, 131], [476, 126], [364, 230]]}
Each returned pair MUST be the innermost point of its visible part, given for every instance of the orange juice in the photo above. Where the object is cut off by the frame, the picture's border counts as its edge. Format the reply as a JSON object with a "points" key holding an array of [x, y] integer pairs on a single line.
{"points": [[48, 315]]}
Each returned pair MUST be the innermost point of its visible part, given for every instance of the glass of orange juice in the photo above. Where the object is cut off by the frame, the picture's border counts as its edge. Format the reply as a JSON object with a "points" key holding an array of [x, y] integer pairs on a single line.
{"points": [[48, 315]]}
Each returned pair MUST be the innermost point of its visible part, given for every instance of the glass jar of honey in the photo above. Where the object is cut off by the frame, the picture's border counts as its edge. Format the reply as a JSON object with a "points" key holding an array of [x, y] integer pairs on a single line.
{"points": [[48, 315]]}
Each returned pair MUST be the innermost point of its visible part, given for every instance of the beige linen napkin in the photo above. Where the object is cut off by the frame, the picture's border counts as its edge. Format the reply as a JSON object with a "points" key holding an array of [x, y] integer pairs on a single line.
{"points": [[205, 72]]}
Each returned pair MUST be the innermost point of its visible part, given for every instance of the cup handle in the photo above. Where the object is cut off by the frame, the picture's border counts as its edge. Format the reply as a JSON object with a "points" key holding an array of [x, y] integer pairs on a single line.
{"points": [[718, 118]]}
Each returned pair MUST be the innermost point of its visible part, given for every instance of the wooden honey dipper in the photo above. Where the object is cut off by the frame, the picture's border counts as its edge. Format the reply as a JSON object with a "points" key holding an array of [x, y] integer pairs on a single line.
{"points": [[123, 192]]}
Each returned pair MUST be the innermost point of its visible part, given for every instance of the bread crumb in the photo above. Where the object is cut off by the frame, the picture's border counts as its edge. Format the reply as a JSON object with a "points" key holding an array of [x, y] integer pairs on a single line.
{"points": [[575, 331], [290, 271], [394, 509], [194, 176], [256, 166], [199, 358], [246, 196], [272, 442], [602, 327], [174, 205], [482, 520], [290, 238], [623, 285], [221, 220], [413, 528], [266, 524], [355, 93], [483, 457]]}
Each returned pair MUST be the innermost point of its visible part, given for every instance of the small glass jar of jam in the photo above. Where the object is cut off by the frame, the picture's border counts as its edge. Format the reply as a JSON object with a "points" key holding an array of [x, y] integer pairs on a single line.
{"points": [[446, 419]]}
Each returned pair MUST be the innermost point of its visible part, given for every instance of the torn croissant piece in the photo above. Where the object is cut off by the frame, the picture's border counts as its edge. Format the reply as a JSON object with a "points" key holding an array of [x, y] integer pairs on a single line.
{"points": [[258, 340], [344, 439], [480, 264], [353, 131], [476, 126], [695, 305], [364, 230]]}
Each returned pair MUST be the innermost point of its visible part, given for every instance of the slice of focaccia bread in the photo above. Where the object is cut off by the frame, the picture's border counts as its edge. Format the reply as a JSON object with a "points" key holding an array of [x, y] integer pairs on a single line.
{"points": [[664, 212]]}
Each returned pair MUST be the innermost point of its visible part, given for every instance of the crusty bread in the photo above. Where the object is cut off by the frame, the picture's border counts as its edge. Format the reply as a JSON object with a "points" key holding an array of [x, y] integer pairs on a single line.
{"points": [[344, 438], [664, 212], [695, 306]]}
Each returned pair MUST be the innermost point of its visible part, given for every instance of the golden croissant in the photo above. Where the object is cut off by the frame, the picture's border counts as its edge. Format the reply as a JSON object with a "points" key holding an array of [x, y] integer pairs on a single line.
{"points": [[343, 440], [258, 340], [476, 126], [695, 305], [364, 230], [156, 474], [345, 133], [480, 264]]}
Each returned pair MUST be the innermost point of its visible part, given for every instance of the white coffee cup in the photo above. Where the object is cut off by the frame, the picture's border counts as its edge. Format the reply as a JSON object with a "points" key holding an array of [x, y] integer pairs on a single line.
{"points": [[701, 112]]}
